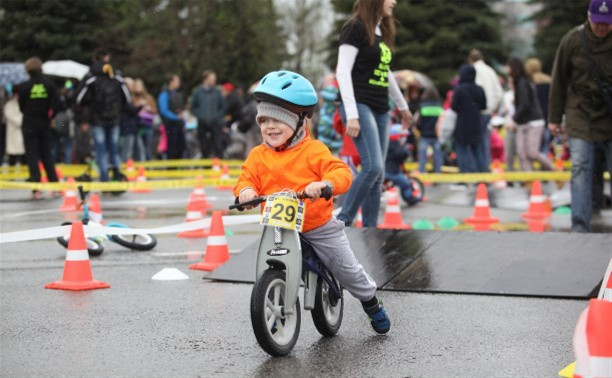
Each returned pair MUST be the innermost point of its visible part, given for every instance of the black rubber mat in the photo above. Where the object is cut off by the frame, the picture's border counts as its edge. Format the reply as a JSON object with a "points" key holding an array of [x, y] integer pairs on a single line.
{"points": [[383, 254], [526, 264]]}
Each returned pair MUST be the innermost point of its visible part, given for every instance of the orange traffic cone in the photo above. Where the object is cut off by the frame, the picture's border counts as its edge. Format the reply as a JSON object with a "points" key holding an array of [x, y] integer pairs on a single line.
{"points": [[216, 168], [359, 220], [95, 210], [194, 213], [130, 172], [58, 172], [393, 216], [43, 174], [605, 292], [199, 196], [559, 168], [225, 177], [497, 169], [547, 205], [71, 202], [217, 251], [536, 216], [481, 219], [77, 269], [593, 340], [141, 178]]}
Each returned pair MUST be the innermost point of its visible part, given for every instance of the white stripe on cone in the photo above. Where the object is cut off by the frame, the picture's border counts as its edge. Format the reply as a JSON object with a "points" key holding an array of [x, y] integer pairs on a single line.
{"points": [[481, 203], [537, 199], [393, 209], [216, 240], [191, 215], [79, 255]]}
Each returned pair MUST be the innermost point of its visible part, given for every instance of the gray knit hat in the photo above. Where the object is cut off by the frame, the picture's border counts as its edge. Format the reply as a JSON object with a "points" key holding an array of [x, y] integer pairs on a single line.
{"points": [[270, 110]]}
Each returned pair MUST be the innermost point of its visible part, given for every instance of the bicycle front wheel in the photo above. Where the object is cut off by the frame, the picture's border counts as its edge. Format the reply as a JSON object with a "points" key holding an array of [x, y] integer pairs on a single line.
{"points": [[144, 242], [275, 331]]}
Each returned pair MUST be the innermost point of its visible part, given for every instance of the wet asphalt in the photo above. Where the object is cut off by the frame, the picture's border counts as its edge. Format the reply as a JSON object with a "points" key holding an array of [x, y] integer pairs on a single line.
{"points": [[198, 327]]}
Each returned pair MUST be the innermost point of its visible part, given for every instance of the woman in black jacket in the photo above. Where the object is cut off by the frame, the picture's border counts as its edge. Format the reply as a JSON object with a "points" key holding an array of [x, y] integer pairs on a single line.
{"points": [[468, 100], [528, 118]]}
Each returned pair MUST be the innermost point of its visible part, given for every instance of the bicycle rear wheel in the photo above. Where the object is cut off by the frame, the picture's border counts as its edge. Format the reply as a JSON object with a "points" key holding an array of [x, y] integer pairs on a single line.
{"points": [[94, 247], [327, 315]]}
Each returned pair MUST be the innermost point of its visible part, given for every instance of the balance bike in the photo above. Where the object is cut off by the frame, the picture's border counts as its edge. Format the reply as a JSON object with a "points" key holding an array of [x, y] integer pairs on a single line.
{"points": [[283, 258]]}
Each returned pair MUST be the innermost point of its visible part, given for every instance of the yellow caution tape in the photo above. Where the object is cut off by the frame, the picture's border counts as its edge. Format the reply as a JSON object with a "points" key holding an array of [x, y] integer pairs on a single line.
{"points": [[568, 371], [115, 186]]}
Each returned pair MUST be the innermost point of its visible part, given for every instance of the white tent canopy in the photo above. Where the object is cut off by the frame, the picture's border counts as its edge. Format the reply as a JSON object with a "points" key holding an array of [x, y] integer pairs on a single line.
{"points": [[65, 68]]}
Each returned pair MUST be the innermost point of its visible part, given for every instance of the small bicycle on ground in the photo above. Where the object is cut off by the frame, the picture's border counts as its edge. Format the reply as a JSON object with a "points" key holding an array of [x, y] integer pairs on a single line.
{"points": [[95, 246], [283, 258]]}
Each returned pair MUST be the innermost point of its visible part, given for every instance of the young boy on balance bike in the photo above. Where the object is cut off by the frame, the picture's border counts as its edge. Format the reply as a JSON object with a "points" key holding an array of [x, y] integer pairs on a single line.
{"points": [[289, 159]]}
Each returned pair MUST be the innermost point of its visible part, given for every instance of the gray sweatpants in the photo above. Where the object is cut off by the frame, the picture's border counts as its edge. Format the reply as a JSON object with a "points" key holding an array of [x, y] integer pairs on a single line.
{"points": [[332, 246]]}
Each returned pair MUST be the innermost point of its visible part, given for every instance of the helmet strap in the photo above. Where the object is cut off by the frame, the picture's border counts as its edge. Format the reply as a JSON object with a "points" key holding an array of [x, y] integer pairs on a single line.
{"points": [[286, 145]]}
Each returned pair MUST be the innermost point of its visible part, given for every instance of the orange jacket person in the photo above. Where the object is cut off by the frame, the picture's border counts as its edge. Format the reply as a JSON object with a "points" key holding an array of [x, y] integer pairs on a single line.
{"points": [[290, 159]]}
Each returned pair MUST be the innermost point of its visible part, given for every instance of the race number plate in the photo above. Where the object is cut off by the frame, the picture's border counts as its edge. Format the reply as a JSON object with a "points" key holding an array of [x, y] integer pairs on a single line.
{"points": [[284, 212]]}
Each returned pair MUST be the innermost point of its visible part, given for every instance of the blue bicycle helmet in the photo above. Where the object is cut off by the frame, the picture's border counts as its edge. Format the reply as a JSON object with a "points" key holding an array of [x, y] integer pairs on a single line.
{"points": [[288, 90]]}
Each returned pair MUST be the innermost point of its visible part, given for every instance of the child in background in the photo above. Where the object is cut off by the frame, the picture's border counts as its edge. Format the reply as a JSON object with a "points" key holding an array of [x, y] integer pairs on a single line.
{"points": [[430, 108], [348, 153], [289, 158], [325, 127], [396, 156]]}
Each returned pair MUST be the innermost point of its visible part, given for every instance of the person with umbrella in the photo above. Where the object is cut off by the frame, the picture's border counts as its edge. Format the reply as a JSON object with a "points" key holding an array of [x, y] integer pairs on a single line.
{"points": [[38, 101]]}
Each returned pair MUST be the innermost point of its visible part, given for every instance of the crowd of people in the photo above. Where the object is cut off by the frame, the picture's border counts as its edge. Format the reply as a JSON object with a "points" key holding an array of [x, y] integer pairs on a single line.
{"points": [[519, 113]]}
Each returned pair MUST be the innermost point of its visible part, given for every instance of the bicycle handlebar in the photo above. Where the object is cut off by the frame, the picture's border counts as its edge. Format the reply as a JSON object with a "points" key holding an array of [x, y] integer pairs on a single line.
{"points": [[326, 193]]}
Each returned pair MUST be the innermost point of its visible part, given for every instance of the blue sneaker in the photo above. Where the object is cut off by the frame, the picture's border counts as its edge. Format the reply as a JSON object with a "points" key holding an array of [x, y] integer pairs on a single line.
{"points": [[379, 318]]}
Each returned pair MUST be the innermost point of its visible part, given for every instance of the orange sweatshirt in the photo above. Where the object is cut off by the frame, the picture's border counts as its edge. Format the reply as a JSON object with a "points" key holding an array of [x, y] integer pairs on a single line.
{"points": [[267, 171]]}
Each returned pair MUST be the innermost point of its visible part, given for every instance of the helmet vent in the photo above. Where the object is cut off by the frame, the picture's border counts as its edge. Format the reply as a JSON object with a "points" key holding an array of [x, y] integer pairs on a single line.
{"points": [[287, 85], [282, 74], [264, 80], [295, 76]]}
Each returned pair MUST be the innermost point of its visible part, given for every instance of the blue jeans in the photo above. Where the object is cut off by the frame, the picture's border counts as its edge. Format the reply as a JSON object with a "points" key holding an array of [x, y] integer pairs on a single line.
{"points": [[106, 139], [372, 144], [467, 155], [484, 155], [133, 148], [582, 155], [146, 135], [425, 142], [402, 183]]}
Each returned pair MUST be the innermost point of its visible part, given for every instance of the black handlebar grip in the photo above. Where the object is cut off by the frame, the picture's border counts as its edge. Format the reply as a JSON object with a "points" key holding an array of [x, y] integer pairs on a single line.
{"points": [[253, 202], [236, 205], [81, 192], [326, 192]]}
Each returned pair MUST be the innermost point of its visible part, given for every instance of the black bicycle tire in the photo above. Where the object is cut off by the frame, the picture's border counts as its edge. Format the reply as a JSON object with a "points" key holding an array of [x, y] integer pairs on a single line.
{"points": [[133, 245], [318, 313], [258, 317]]}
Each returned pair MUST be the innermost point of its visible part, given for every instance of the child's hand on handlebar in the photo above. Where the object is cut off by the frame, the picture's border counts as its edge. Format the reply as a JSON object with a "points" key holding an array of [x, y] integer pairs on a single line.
{"points": [[247, 195], [313, 190]]}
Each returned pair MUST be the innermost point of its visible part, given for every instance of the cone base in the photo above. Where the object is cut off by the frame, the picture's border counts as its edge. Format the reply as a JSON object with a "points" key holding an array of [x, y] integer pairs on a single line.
{"points": [[193, 234], [538, 224], [141, 191], [536, 217], [390, 226], [481, 224], [207, 266], [77, 286]]}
